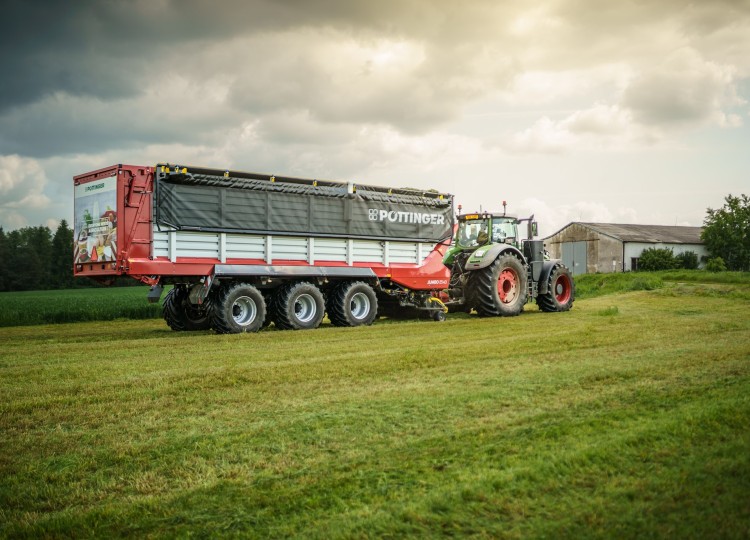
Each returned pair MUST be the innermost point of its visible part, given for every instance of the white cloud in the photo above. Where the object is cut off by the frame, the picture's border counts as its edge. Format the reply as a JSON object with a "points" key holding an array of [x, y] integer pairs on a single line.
{"points": [[680, 93], [22, 184], [601, 127], [684, 90]]}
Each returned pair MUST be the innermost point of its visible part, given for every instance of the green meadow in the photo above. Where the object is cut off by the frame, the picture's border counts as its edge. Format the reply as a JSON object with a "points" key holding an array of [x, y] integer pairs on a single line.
{"points": [[627, 417], [107, 304]]}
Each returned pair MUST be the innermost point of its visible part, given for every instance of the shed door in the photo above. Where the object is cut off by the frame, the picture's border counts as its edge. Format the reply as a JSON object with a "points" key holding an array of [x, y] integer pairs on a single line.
{"points": [[574, 256]]}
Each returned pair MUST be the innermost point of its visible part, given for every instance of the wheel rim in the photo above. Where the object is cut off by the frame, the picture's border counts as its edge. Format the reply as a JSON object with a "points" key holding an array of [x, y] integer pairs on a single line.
{"points": [[360, 305], [244, 310], [562, 289], [507, 286], [305, 308]]}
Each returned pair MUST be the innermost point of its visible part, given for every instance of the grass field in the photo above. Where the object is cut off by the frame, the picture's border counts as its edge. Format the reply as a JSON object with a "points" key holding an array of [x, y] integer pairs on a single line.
{"points": [[626, 417], [76, 305], [108, 304]]}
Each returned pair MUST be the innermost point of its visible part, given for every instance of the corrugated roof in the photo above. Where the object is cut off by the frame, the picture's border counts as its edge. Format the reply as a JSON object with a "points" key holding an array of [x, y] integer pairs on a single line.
{"points": [[666, 234]]}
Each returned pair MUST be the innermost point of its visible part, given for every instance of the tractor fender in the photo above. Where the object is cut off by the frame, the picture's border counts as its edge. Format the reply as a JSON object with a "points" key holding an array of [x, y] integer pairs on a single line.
{"points": [[486, 255], [546, 271]]}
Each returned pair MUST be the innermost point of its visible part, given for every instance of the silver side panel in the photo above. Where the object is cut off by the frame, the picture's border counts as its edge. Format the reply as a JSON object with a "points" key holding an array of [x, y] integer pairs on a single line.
{"points": [[222, 246]]}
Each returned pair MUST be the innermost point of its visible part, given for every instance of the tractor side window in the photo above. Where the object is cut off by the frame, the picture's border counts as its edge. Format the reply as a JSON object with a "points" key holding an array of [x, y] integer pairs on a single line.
{"points": [[502, 230]]}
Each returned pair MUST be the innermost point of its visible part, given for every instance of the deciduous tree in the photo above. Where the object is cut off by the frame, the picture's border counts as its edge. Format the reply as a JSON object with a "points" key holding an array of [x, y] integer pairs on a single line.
{"points": [[726, 232]]}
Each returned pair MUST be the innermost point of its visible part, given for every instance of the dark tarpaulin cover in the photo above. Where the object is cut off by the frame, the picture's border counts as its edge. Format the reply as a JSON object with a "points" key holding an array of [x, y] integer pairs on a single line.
{"points": [[227, 204]]}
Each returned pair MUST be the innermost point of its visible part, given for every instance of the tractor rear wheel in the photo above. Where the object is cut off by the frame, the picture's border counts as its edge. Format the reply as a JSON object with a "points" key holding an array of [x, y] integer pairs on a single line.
{"points": [[180, 315], [298, 306], [500, 289], [561, 291], [239, 308], [352, 303]]}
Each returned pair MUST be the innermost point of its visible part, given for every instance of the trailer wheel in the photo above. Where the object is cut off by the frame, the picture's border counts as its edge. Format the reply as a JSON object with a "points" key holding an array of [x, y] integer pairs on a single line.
{"points": [[239, 308], [298, 306], [180, 315], [352, 303], [561, 291], [500, 289]]}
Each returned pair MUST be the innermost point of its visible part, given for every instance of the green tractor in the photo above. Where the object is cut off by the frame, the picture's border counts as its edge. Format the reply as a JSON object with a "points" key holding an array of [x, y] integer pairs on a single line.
{"points": [[496, 273]]}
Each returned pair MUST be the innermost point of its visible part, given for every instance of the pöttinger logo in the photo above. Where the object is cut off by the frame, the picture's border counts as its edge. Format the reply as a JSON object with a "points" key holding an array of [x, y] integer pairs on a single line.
{"points": [[395, 216]]}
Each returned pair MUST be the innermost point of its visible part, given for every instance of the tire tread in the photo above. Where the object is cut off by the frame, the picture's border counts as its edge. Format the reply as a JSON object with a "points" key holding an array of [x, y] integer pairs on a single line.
{"points": [[482, 288], [338, 311], [547, 302], [221, 319], [282, 298]]}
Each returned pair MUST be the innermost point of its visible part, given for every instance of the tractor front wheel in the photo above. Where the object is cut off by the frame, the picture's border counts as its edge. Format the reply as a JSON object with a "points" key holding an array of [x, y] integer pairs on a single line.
{"points": [[500, 289], [561, 291]]}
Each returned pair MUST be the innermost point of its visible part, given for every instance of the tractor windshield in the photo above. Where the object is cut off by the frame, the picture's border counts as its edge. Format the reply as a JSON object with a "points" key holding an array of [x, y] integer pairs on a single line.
{"points": [[504, 230], [472, 233]]}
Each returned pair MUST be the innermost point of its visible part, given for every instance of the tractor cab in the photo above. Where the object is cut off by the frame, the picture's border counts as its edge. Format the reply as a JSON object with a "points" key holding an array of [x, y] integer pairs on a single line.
{"points": [[476, 230], [481, 229]]}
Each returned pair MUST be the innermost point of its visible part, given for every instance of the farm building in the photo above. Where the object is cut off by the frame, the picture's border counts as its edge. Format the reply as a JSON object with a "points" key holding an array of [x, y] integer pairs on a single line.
{"points": [[607, 247]]}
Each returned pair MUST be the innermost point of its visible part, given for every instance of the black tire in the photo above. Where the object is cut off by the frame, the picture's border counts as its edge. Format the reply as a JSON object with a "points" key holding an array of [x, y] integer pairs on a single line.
{"points": [[561, 291], [500, 289], [352, 303], [180, 315], [238, 308], [298, 306]]}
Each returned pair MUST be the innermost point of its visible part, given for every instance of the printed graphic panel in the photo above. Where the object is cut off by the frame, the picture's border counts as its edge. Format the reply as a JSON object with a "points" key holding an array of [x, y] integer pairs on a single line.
{"points": [[95, 228]]}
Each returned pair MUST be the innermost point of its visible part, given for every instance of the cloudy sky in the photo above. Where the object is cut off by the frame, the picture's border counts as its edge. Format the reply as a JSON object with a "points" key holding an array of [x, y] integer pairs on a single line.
{"points": [[575, 110]]}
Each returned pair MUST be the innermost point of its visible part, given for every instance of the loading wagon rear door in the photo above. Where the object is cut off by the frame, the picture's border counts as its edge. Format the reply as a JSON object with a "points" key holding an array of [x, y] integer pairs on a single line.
{"points": [[95, 227]]}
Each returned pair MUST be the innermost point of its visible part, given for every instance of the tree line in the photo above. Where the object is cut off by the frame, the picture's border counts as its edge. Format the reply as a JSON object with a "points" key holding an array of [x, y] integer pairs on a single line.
{"points": [[35, 258]]}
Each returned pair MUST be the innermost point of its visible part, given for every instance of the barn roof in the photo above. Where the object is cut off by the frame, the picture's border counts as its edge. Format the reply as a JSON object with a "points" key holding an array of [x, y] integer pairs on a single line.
{"points": [[666, 234]]}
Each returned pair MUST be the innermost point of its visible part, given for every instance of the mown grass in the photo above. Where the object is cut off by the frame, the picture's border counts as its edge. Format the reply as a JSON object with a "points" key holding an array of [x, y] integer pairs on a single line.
{"points": [[76, 305], [627, 417]]}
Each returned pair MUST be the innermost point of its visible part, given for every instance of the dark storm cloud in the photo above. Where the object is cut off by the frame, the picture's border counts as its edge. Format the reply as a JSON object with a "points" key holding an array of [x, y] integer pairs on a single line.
{"points": [[94, 47], [47, 47], [78, 68], [89, 75]]}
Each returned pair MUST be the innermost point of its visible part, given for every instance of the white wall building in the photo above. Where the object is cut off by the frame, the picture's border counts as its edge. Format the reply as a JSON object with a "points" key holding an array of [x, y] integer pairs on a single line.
{"points": [[607, 247]]}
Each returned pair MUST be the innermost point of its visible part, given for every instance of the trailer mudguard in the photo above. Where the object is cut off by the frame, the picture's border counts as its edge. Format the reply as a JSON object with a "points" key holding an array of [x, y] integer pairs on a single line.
{"points": [[546, 271], [484, 256]]}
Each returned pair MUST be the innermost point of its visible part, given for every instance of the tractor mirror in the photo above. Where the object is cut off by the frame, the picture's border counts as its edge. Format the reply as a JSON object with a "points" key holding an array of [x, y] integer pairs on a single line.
{"points": [[534, 228]]}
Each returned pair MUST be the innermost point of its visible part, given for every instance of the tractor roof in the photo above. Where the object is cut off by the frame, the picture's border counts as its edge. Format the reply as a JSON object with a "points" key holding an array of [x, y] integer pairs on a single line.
{"points": [[485, 215]]}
